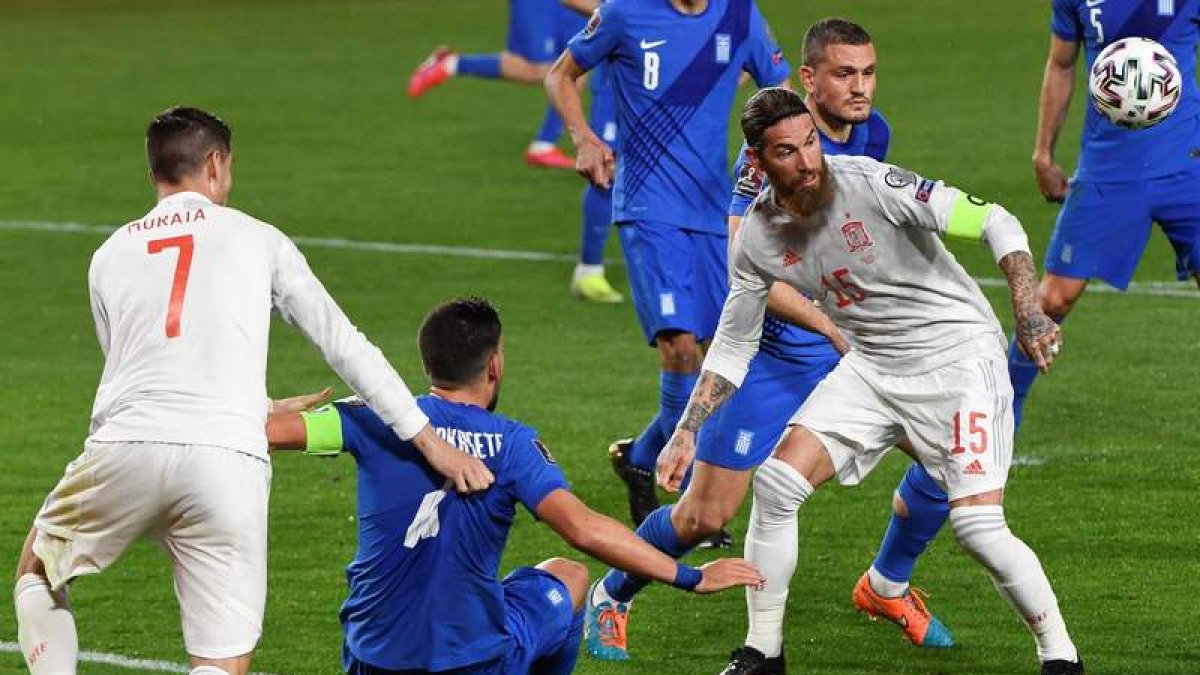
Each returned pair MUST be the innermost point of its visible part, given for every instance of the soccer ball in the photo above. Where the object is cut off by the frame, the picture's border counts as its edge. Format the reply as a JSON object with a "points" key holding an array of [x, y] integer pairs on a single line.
{"points": [[1135, 83]]}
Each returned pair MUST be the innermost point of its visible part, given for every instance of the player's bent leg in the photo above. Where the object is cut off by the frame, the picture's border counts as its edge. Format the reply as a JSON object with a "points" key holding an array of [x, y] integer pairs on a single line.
{"points": [[981, 530], [920, 507], [561, 660], [572, 574], [1058, 296], [45, 626], [540, 618], [781, 485], [516, 68]]}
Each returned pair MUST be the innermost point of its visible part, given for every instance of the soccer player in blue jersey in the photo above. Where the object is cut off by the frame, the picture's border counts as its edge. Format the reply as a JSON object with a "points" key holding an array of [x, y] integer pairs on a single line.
{"points": [[675, 66], [535, 37], [1126, 179], [424, 593], [838, 74]]}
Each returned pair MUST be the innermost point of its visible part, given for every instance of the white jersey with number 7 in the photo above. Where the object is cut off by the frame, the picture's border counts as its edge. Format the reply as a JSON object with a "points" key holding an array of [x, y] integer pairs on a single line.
{"points": [[182, 300]]}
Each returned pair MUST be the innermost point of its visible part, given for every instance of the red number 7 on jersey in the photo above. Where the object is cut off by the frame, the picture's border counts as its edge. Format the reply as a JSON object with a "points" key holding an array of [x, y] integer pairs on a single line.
{"points": [[183, 266]]}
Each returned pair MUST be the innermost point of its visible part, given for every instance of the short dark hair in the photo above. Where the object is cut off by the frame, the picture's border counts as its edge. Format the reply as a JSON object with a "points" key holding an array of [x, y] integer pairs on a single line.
{"points": [[767, 108], [179, 139], [457, 339], [831, 31]]}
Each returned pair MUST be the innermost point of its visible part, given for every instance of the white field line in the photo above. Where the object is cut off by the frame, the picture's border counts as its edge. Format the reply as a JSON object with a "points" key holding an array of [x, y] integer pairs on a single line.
{"points": [[118, 661], [1167, 289]]}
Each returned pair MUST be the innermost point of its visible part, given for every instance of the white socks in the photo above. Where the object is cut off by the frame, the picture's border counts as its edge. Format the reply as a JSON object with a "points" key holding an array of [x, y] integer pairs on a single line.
{"points": [[1017, 574], [207, 670], [45, 627], [772, 544], [582, 270], [885, 586]]}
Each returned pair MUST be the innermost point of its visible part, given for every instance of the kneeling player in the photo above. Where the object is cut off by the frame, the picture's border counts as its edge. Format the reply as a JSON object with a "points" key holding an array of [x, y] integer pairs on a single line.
{"points": [[928, 361], [424, 593]]}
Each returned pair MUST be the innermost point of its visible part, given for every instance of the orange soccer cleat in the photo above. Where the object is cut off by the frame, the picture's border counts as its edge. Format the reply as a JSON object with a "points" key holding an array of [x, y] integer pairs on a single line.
{"points": [[549, 158], [908, 611]]}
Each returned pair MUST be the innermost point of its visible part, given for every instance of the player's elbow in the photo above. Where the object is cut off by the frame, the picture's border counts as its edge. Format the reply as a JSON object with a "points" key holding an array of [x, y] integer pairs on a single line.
{"points": [[580, 534]]}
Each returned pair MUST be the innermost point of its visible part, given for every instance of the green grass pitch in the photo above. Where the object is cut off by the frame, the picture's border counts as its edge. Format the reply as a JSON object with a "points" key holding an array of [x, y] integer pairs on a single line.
{"points": [[329, 146]]}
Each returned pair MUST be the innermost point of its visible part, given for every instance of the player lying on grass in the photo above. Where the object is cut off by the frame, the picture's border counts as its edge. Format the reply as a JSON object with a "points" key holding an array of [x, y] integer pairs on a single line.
{"points": [[927, 360], [182, 299], [424, 593], [838, 73]]}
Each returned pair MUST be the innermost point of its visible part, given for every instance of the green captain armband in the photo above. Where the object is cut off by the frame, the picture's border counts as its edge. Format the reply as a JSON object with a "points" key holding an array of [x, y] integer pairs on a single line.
{"points": [[966, 219], [323, 429]]}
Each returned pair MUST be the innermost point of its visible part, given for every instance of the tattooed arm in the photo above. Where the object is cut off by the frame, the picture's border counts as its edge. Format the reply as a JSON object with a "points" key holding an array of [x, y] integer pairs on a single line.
{"points": [[711, 391], [1037, 335]]}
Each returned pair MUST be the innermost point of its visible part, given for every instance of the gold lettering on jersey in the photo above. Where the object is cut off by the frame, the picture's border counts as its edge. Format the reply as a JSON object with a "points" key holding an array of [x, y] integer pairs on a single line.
{"points": [[480, 444], [167, 220]]}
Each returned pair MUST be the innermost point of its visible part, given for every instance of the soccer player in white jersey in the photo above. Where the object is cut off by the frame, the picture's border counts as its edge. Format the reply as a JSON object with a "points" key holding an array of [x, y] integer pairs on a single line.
{"points": [[177, 447], [927, 359]]}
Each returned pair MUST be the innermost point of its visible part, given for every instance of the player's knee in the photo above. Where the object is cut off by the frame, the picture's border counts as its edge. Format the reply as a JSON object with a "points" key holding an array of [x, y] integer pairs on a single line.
{"points": [[899, 506], [28, 562], [572, 574], [693, 522], [978, 528], [678, 352], [1058, 297], [779, 490]]}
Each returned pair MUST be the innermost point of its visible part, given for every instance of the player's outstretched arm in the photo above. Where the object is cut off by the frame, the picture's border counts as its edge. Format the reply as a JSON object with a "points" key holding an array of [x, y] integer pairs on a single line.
{"points": [[1058, 82], [710, 393], [789, 304], [1037, 334], [614, 544], [594, 160]]}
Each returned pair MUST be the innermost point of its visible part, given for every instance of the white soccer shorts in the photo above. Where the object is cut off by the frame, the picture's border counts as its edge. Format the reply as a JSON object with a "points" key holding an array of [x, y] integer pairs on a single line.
{"points": [[206, 506], [958, 418]]}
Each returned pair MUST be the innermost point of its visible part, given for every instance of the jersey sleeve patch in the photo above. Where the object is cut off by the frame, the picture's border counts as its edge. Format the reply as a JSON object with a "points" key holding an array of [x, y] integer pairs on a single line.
{"points": [[967, 216], [899, 178], [323, 430]]}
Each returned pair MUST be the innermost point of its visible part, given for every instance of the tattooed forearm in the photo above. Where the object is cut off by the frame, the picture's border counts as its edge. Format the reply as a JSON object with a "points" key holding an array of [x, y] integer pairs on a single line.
{"points": [[710, 393], [1018, 268], [1022, 282]]}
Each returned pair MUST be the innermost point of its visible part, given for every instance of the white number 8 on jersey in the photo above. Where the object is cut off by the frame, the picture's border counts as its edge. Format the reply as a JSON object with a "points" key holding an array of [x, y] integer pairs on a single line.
{"points": [[650, 64]]}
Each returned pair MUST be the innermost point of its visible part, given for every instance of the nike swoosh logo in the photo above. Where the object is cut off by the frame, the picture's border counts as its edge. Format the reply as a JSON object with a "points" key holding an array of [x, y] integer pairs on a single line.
{"points": [[652, 45]]}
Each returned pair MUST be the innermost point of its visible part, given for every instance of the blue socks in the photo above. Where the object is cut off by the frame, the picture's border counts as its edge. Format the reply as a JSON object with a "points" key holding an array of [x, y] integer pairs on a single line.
{"points": [[486, 66], [552, 126], [907, 538], [1021, 373], [597, 217], [674, 391], [657, 531]]}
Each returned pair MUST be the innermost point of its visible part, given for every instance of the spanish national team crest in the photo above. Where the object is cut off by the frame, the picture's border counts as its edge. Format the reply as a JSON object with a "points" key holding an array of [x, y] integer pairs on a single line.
{"points": [[857, 237]]}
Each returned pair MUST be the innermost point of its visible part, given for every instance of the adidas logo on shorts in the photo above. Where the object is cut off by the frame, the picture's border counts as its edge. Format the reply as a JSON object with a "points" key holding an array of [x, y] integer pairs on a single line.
{"points": [[974, 469]]}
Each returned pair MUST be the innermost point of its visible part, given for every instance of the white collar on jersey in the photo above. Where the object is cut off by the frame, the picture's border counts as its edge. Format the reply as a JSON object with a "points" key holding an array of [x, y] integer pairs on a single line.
{"points": [[186, 194]]}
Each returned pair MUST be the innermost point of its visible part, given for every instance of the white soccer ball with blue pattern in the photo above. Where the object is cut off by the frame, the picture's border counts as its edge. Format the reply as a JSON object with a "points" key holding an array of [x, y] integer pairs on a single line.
{"points": [[1135, 83]]}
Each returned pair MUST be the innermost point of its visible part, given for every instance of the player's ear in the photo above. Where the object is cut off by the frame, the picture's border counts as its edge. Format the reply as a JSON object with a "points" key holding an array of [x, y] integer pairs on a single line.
{"points": [[806, 78], [495, 366]]}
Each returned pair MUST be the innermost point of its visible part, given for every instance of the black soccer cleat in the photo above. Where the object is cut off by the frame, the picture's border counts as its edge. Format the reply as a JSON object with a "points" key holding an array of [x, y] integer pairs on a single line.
{"points": [[1062, 667], [639, 483], [722, 539], [750, 661]]}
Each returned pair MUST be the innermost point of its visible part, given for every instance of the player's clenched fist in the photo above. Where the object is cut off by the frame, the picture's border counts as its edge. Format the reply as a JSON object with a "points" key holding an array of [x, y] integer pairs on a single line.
{"points": [[727, 573], [594, 161], [675, 459], [1039, 338]]}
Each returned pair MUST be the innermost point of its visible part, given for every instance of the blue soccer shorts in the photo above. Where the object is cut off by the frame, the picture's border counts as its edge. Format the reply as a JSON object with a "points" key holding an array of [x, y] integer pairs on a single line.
{"points": [[1103, 228], [678, 278], [535, 29], [537, 618], [743, 432]]}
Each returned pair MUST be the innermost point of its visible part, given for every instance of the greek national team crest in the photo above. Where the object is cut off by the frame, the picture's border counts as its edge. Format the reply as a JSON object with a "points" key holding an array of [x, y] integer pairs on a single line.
{"points": [[857, 237], [724, 45]]}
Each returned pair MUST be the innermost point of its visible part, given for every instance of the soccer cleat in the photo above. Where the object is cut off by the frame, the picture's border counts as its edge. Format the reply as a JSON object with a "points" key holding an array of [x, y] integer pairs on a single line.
{"points": [[750, 661], [1062, 667], [604, 628], [908, 611], [430, 73], [595, 288], [550, 158], [639, 483], [722, 538]]}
